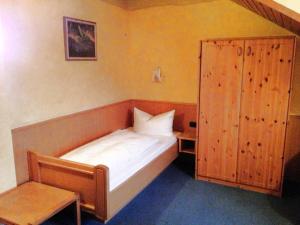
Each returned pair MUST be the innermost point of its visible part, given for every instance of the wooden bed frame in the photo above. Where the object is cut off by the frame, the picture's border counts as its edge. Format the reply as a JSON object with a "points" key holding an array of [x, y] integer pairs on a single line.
{"points": [[92, 182], [39, 146]]}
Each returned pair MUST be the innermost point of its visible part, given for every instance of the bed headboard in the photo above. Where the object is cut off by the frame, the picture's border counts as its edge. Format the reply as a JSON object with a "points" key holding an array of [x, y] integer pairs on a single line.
{"points": [[59, 135]]}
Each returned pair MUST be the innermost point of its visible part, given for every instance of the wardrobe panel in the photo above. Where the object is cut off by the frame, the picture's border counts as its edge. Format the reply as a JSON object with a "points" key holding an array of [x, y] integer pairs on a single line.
{"points": [[220, 91], [264, 107]]}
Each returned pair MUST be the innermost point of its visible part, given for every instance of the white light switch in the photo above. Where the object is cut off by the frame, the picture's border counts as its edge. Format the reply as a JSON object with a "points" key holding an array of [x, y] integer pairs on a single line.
{"points": [[156, 76]]}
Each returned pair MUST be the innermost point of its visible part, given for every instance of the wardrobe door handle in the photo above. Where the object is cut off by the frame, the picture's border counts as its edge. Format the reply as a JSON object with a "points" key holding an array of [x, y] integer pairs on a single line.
{"points": [[239, 51], [249, 50]]}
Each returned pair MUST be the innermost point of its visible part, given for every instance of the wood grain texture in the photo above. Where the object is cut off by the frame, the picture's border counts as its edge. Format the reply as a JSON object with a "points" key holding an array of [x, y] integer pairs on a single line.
{"points": [[34, 203], [92, 182], [264, 108], [241, 186], [187, 142], [220, 91], [267, 74], [295, 91], [64, 174], [274, 12], [59, 135], [102, 187], [292, 150]]}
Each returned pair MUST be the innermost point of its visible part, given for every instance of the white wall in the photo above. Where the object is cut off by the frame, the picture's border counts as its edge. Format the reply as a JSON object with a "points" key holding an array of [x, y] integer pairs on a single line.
{"points": [[36, 83]]}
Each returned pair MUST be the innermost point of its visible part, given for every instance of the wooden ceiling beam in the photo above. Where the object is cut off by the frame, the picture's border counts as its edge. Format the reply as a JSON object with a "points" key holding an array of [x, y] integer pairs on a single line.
{"points": [[281, 9], [274, 12]]}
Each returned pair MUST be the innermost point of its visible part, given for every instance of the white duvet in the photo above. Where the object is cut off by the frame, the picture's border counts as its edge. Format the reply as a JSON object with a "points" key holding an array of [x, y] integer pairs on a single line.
{"points": [[115, 150], [124, 152]]}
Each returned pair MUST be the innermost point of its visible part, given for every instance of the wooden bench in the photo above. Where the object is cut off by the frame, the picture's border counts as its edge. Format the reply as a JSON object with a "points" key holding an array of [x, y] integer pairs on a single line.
{"points": [[33, 203]]}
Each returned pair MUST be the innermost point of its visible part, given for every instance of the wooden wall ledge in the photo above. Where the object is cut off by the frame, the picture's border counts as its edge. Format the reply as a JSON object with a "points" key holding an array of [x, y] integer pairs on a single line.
{"points": [[294, 115]]}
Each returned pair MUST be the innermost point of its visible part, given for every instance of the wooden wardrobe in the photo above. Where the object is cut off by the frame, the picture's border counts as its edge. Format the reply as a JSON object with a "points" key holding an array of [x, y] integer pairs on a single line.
{"points": [[243, 110]]}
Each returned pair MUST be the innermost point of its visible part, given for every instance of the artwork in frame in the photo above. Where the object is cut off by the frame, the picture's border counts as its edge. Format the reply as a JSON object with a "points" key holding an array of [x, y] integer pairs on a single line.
{"points": [[80, 39]]}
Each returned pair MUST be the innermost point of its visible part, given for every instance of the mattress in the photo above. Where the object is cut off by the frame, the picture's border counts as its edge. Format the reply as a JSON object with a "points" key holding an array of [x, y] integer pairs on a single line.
{"points": [[124, 152]]}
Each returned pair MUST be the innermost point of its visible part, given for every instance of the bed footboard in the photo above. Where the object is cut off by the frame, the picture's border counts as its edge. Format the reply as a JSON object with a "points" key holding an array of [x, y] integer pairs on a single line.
{"points": [[124, 193], [90, 182]]}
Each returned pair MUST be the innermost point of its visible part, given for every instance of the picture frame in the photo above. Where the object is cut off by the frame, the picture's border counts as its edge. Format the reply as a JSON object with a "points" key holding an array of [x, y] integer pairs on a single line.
{"points": [[80, 38]]}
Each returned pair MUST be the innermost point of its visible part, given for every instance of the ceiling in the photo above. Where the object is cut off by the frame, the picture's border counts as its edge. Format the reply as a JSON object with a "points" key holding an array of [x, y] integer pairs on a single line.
{"points": [[275, 12], [282, 12], [292, 4]]}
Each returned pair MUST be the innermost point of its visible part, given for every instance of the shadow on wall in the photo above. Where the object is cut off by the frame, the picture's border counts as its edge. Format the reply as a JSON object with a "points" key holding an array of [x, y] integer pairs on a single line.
{"points": [[292, 169], [140, 4], [119, 3], [180, 122], [289, 205]]}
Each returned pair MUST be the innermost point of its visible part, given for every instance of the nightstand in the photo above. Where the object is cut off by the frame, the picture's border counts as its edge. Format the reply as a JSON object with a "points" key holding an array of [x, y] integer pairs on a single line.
{"points": [[187, 142]]}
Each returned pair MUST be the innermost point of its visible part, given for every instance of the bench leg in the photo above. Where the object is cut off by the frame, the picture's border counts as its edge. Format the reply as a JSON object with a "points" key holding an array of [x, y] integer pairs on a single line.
{"points": [[78, 213]]}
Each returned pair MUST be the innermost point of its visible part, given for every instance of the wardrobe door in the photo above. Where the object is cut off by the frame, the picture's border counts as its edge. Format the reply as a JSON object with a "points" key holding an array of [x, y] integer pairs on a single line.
{"points": [[220, 91], [264, 108]]}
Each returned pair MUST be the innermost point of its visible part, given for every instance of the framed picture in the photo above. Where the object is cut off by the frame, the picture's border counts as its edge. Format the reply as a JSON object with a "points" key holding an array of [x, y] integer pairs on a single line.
{"points": [[80, 39]]}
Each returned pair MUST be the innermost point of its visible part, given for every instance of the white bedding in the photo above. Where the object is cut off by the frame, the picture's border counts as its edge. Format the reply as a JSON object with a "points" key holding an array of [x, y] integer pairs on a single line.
{"points": [[124, 152]]}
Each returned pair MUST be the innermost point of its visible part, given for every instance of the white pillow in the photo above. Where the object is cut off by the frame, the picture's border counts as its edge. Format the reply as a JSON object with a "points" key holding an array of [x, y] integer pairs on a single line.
{"points": [[161, 124]]}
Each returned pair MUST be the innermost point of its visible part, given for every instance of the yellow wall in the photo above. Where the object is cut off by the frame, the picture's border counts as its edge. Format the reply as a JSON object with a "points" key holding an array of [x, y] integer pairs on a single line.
{"points": [[169, 37], [36, 83], [140, 4]]}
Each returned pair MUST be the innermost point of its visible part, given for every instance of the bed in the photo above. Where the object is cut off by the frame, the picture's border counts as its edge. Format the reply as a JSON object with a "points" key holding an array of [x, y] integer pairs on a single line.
{"points": [[108, 172]]}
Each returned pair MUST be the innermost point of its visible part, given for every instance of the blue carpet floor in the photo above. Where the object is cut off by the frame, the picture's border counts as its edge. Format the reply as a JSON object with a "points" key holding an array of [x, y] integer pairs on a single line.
{"points": [[175, 198]]}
